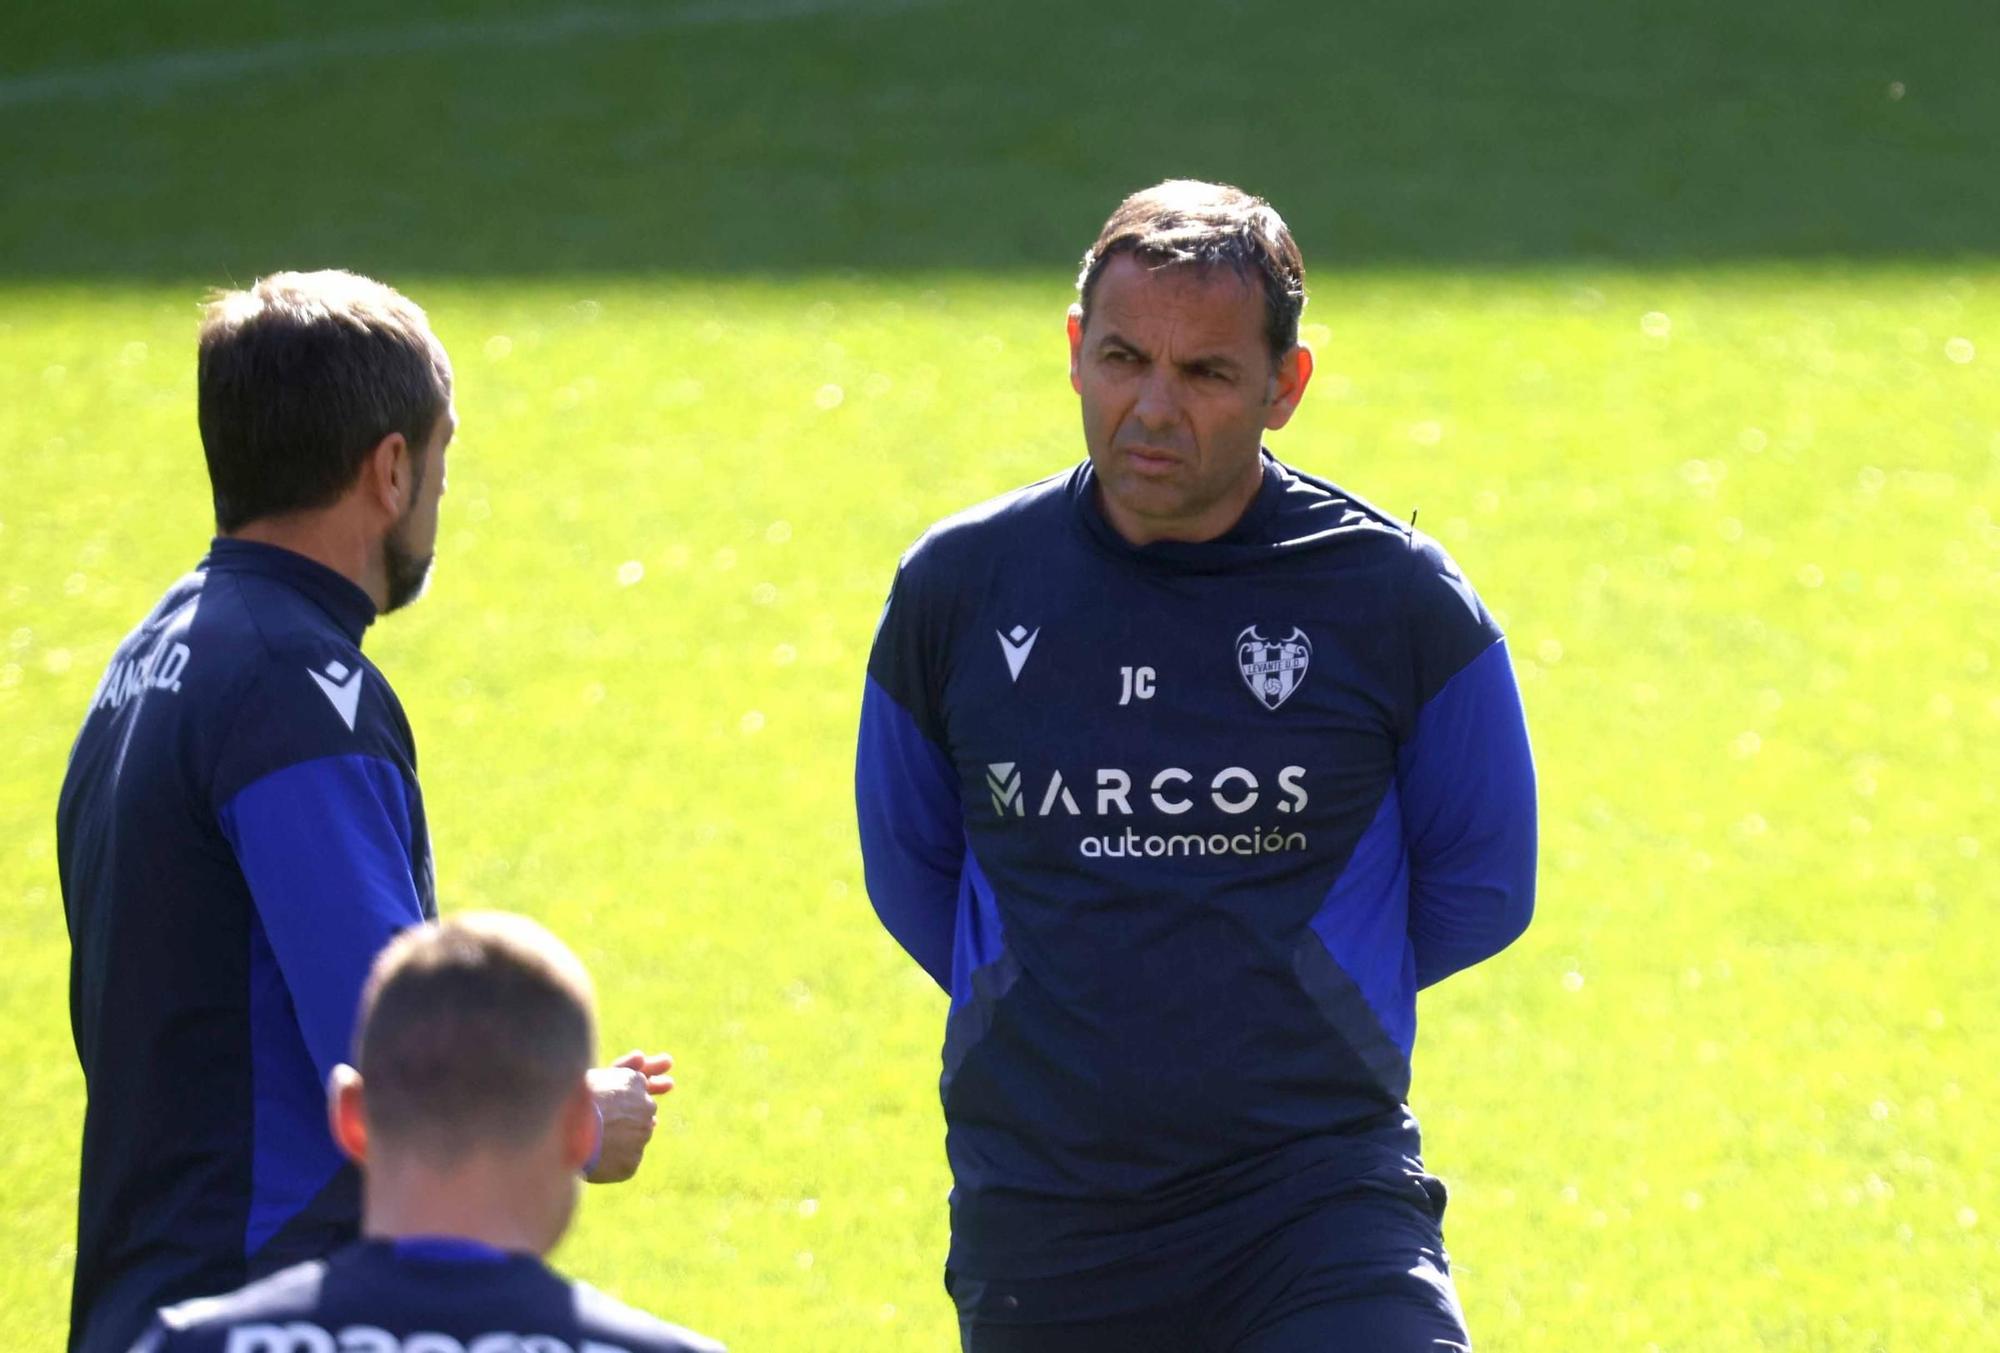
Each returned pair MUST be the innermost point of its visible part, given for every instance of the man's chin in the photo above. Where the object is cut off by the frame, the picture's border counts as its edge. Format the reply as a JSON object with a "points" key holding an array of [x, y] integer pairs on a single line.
{"points": [[1148, 496], [408, 580]]}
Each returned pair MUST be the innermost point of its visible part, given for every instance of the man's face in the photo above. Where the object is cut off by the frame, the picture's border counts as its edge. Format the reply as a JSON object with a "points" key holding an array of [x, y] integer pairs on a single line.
{"points": [[1178, 388], [411, 544]]}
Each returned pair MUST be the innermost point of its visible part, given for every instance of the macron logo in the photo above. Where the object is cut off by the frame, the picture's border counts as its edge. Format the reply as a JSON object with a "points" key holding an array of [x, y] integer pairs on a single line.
{"points": [[1016, 645], [342, 688]]}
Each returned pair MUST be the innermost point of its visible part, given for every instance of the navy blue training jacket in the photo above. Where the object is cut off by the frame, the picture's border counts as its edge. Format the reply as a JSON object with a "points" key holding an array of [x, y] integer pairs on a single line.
{"points": [[1182, 829], [240, 832], [417, 1296]]}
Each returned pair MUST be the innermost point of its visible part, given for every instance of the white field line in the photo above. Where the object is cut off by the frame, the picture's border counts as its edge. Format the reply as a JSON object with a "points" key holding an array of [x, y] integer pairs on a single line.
{"points": [[169, 72]]}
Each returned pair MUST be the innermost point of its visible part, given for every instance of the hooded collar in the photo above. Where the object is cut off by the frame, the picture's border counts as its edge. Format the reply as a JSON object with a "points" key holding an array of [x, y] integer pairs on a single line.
{"points": [[1251, 537]]}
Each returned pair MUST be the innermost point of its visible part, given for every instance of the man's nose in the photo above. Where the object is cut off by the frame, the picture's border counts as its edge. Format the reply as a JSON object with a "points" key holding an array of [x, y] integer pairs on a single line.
{"points": [[1158, 406]]}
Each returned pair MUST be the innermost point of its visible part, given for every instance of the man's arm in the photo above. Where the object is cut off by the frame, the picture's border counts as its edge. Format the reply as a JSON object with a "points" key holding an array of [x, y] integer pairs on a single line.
{"points": [[912, 836], [1467, 782], [905, 790], [327, 847]]}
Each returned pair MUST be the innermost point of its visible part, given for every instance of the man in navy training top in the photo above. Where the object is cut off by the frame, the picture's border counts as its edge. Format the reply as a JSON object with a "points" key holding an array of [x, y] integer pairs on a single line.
{"points": [[470, 1115], [241, 831], [1182, 771]]}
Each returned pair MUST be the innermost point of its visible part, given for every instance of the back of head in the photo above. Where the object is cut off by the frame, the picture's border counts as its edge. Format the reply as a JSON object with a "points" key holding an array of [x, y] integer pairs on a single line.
{"points": [[299, 377], [1189, 223], [473, 1033]]}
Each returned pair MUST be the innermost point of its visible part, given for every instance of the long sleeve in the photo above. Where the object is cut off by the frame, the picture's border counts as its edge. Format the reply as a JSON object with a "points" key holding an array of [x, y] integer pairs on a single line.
{"points": [[327, 847], [1467, 782], [906, 793]]}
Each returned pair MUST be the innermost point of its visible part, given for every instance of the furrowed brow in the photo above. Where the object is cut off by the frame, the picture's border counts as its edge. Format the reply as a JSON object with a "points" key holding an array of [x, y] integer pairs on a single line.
{"points": [[1216, 363]]}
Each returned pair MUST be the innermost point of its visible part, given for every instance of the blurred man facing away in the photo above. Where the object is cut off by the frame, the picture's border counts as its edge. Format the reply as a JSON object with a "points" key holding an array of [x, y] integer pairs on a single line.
{"points": [[470, 1115], [241, 830], [1182, 771]]}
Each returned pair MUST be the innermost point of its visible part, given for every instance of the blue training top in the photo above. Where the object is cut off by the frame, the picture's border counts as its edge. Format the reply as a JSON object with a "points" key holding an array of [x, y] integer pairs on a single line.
{"points": [[437, 1296], [239, 834], [1182, 829]]}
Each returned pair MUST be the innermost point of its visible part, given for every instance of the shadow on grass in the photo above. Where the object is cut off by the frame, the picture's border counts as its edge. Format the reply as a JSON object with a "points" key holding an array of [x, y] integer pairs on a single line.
{"points": [[775, 137]]}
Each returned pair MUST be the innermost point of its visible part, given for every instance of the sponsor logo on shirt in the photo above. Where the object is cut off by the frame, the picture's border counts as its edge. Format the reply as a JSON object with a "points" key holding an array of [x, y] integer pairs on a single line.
{"points": [[1110, 791], [159, 670], [1003, 782], [301, 1336], [1129, 844]]}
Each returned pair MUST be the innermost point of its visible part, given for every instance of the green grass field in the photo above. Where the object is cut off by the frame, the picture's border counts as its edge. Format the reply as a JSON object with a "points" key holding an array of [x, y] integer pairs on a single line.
{"points": [[1680, 331]]}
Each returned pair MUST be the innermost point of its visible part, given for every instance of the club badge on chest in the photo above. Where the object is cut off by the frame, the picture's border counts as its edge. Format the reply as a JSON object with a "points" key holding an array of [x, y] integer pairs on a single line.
{"points": [[1273, 668]]}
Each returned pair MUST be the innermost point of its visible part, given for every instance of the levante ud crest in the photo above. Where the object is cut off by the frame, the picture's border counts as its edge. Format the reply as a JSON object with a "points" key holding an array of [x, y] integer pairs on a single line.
{"points": [[1273, 668]]}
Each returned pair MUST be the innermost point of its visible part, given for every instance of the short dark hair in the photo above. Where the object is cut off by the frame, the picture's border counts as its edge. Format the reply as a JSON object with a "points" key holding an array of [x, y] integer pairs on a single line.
{"points": [[472, 1032], [299, 377], [1188, 223]]}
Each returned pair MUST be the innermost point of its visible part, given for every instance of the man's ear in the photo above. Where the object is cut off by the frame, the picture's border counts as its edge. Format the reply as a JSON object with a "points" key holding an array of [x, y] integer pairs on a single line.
{"points": [[389, 475], [580, 1126], [1288, 386], [344, 1113], [1076, 348]]}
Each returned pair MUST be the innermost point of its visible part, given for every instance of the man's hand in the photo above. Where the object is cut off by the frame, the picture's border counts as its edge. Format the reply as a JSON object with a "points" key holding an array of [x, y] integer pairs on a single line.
{"points": [[624, 1093]]}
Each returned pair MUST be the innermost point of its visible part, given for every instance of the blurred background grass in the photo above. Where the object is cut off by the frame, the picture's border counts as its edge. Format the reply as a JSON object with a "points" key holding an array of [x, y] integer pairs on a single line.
{"points": [[1676, 324]]}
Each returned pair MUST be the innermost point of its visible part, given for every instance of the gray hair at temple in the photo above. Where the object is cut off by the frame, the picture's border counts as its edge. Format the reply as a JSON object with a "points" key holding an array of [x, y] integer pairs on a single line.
{"points": [[1189, 223]]}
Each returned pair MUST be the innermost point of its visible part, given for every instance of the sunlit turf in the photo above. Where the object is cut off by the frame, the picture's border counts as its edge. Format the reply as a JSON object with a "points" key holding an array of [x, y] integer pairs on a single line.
{"points": [[1730, 1093], [1743, 525]]}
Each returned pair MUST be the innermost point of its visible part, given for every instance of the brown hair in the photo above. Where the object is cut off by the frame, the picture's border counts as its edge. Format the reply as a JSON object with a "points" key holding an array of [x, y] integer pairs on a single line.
{"points": [[1188, 223], [472, 1032], [299, 377]]}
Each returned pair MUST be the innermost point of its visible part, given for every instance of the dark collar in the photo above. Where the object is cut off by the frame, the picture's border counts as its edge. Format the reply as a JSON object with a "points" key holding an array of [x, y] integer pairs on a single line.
{"points": [[341, 598], [1249, 537], [446, 1250]]}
